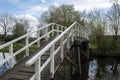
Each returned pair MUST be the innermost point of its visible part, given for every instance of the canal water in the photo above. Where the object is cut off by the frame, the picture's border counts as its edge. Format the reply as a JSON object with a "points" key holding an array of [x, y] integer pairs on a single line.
{"points": [[6, 66], [101, 68]]}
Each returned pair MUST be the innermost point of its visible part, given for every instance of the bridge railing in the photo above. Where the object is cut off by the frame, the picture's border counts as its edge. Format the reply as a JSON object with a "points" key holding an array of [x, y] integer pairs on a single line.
{"points": [[65, 37], [50, 30]]}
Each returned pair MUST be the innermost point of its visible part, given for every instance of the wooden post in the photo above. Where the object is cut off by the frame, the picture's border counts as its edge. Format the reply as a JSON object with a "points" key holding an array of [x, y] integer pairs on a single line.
{"points": [[37, 69], [38, 36], [72, 34], [52, 30], [58, 30], [62, 49], [27, 42], [11, 54], [77, 30], [52, 62], [62, 29], [68, 41], [79, 60]]}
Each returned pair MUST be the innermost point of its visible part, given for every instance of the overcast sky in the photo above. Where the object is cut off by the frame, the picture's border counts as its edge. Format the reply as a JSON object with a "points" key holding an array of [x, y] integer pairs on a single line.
{"points": [[36, 7], [30, 9]]}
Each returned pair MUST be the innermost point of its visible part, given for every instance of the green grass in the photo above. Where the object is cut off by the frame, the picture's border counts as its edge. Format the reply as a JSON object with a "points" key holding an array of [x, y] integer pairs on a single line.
{"points": [[93, 46], [17, 46]]}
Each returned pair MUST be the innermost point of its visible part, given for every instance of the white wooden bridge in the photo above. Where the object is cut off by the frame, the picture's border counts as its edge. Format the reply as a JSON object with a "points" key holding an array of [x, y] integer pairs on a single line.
{"points": [[44, 62]]}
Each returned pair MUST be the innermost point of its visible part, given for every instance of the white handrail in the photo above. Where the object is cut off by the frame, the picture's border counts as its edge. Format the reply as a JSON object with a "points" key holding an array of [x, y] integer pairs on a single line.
{"points": [[66, 36], [26, 47], [33, 59], [70, 31], [23, 36]]}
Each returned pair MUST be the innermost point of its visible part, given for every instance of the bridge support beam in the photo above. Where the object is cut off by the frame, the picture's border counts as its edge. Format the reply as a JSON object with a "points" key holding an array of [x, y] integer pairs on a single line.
{"points": [[79, 60]]}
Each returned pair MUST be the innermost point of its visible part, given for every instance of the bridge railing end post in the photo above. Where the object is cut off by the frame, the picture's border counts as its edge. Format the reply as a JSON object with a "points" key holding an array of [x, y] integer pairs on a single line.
{"points": [[62, 49], [52, 61], [27, 42], [11, 54], [37, 69], [38, 36]]}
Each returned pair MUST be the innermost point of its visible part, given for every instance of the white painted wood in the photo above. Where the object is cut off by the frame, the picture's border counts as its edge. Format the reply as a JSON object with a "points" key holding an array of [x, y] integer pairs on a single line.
{"points": [[60, 25], [45, 64], [26, 47], [22, 49], [52, 61], [52, 30], [11, 54], [62, 49], [33, 59], [68, 40], [37, 69], [21, 37], [72, 36], [58, 30], [27, 42], [36, 59], [33, 77], [38, 36]]}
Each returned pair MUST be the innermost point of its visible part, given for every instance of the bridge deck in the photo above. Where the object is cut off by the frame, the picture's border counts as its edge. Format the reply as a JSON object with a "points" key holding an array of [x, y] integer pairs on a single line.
{"points": [[21, 72]]}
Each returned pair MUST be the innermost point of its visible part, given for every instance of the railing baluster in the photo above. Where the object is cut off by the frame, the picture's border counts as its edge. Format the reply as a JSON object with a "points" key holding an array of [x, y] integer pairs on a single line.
{"points": [[52, 61], [77, 30], [68, 41], [11, 53], [72, 34], [62, 49], [58, 30], [53, 31], [47, 30], [74, 30], [37, 69], [38, 36], [27, 42], [61, 29]]}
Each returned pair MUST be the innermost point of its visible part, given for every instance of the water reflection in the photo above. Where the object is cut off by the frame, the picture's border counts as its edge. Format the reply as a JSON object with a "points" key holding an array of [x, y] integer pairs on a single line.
{"points": [[6, 66], [104, 69]]}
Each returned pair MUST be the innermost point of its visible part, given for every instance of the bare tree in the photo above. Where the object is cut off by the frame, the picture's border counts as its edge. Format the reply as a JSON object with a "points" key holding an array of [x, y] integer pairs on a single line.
{"points": [[96, 22], [41, 24], [114, 17], [114, 22], [6, 23]]}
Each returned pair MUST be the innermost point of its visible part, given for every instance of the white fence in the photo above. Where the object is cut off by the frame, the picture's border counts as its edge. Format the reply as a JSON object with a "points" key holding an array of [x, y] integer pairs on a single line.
{"points": [[65, 37], [52, 28]]}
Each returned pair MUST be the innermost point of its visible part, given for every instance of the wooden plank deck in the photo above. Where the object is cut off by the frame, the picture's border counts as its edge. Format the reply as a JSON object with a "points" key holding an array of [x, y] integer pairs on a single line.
{"points": [[21, 72]]}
